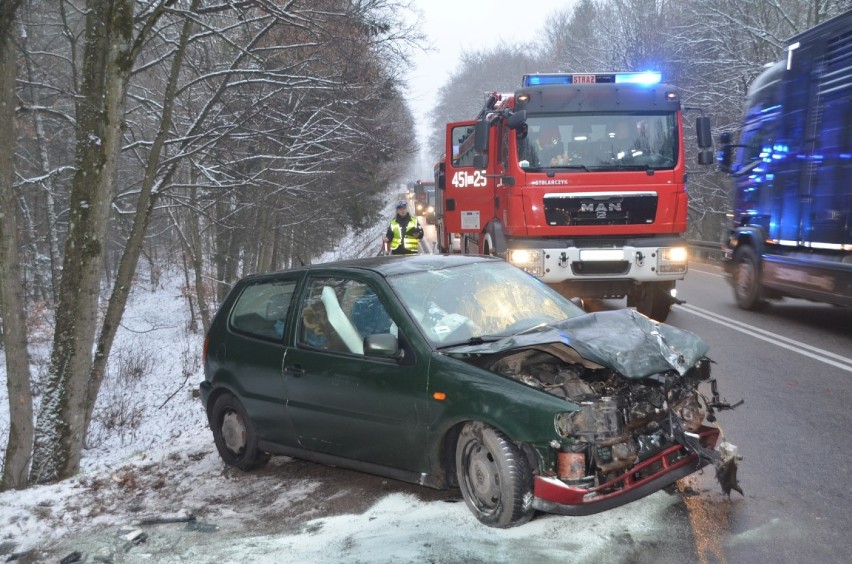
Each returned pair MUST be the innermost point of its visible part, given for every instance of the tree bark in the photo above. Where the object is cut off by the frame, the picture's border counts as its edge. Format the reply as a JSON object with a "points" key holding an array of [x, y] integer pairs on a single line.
{"points": [[12, 308], [197, 255], [61, 426]]}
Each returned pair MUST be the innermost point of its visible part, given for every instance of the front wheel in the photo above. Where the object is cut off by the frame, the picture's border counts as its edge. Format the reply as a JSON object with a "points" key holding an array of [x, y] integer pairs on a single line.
{"points": [[652, 299], [234, 434], [747, 279], [493, 475]]}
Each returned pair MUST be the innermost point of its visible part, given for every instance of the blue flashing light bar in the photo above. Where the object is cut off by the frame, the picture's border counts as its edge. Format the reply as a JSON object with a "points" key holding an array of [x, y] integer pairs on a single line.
{"points": [[638, 78], [541, 79], [545, 79]]}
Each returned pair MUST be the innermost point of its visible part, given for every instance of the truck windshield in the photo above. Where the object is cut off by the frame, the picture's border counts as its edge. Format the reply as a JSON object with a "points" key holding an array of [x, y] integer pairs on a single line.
{"points": [[598, 142]]}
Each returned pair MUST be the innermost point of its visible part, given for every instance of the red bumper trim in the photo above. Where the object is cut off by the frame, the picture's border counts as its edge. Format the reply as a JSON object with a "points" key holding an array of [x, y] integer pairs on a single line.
{"points": [[674, 463]]}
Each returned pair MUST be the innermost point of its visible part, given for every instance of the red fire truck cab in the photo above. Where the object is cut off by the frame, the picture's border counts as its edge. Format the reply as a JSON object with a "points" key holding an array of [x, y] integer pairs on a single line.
{"points": [[579, 179]]}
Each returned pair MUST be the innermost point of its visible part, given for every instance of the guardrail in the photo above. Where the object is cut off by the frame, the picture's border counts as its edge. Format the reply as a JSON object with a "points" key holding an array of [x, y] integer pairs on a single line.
{"points": [[705, 251]]}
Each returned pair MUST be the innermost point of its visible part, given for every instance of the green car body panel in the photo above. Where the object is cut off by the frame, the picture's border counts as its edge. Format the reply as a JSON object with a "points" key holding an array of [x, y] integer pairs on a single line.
{"points": [[399, 409], [344, 398]]}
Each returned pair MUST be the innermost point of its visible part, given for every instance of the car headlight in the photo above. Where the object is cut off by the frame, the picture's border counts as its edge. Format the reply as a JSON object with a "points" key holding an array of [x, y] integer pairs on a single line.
{"points": [[530, 260], [672, 260]]}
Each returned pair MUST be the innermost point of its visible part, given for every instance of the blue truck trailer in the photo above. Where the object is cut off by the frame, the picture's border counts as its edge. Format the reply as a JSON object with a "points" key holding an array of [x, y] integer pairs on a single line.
{"points": [[791, 225]]}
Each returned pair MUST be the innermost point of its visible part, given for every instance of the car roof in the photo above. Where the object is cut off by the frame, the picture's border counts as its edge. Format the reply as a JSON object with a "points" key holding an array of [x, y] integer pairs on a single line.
{"points": [[389, 265]]}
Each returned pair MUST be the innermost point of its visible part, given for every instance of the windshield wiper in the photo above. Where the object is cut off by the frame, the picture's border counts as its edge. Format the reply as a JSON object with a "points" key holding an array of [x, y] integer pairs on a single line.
{"points": [[572, 167], [531, 329], [473, 341]]}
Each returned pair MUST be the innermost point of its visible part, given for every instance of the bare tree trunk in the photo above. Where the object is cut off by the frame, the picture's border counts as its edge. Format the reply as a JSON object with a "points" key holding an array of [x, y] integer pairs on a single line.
{"points": [[133, 247], [61, 426], [19, 445], [197, 255]]}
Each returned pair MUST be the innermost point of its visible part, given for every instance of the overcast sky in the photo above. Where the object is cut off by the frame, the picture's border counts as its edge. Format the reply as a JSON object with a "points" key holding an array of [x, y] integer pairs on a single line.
{"points": [[453, 26]]}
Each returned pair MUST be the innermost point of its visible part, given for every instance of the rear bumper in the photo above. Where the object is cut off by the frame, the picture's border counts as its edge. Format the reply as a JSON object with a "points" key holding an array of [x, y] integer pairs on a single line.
{"points": [[665, 468]]}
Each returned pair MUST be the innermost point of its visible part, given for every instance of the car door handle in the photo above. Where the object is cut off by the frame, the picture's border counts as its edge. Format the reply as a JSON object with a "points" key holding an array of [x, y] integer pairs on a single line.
{"points": [[294, 370]]}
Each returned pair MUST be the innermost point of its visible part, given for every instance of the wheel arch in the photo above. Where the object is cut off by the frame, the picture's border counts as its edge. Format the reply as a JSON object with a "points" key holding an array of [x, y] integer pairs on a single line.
{"points": [[495, 239], [449, 444], [751, 236]]}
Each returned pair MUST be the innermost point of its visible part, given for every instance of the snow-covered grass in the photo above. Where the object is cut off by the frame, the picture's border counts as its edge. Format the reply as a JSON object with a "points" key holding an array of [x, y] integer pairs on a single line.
{"points": [[146, 407]]}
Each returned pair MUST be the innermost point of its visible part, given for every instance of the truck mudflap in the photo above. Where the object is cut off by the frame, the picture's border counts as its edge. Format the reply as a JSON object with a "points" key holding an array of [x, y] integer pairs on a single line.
{"points": [[552, 495]]}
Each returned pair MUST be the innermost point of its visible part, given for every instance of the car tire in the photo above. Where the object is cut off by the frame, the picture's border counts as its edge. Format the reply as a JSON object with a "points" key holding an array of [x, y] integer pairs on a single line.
{"points": [[493, 476], [746, 277], [650, 299], [234, 434]]}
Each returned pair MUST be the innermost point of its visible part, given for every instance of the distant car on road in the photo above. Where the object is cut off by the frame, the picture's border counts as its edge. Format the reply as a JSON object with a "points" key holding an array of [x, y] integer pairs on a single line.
{"points": [[460, 371]]}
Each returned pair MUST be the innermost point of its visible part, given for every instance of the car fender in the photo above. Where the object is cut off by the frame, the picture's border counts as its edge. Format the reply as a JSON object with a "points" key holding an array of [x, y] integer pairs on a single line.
{"points": [[469, 393]]}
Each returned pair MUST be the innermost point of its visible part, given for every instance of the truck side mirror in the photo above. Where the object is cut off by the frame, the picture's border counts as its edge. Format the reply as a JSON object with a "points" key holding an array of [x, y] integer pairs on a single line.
{"points": [[706, 157], [516, 120], [480, 136], [702, 130], [480, 162]]}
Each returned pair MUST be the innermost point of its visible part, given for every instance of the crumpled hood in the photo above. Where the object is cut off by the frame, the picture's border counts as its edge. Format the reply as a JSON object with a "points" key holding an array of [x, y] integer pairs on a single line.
{"points": [[622, 340]]}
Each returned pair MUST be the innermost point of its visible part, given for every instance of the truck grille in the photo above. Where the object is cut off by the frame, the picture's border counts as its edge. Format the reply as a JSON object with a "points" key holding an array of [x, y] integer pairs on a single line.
{"points": [[600, 208]]}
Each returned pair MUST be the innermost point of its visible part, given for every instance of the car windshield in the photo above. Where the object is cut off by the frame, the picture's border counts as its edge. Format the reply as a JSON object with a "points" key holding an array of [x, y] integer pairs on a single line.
{"points": [[479, 302]]}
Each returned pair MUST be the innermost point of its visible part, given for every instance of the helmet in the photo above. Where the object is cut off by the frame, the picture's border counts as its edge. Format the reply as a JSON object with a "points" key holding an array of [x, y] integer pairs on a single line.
{"points": [[401, 204]]}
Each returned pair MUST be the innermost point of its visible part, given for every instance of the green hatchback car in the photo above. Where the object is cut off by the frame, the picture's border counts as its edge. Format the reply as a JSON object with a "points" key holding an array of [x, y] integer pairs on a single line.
{"points": [[460, 371]]}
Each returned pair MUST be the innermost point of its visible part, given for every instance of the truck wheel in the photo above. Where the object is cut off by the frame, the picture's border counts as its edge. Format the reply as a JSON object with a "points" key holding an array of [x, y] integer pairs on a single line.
{"points": [[651, 299], [493, 477], [234, 434], [746, 277]]}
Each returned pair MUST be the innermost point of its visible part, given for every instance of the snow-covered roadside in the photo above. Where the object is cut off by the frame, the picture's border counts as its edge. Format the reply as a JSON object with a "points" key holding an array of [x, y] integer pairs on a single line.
{"points": [[146, 410]]}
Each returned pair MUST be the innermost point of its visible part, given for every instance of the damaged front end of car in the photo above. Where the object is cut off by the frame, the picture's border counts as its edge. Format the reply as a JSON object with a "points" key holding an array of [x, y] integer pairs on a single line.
{"points": [[640, 407]]}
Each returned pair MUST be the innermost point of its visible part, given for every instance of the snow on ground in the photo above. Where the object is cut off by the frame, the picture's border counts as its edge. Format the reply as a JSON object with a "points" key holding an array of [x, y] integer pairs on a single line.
{"points": [[152, 473]]}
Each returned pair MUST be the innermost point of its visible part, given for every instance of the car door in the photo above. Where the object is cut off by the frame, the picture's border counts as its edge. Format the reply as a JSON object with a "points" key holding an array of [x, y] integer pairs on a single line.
{"points": [[342, 402], [258, 326]]}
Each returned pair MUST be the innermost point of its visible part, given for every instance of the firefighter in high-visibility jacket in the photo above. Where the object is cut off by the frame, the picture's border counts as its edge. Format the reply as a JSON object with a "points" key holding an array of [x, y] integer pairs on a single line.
{"points": [[404, 233]]}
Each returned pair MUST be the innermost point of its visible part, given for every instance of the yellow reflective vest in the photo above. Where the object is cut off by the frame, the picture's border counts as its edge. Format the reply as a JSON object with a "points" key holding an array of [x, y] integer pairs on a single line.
{"points": [[411, 242]]}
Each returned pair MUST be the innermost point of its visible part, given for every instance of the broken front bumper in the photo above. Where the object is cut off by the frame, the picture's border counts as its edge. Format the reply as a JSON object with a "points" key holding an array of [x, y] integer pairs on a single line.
{"points": [[653, 474]]}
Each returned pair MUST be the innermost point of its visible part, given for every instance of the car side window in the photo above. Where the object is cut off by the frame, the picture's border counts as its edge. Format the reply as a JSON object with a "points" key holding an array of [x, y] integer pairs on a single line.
{"points": [[337, 313], [261, 310]]}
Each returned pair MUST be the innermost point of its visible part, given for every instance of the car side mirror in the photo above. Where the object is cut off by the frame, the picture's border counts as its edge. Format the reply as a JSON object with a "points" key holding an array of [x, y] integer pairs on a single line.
{"points": [[383, 345]]}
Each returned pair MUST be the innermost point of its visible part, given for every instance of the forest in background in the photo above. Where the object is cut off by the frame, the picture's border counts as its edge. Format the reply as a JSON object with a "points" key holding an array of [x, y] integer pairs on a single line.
{"points": [[229, 137]]}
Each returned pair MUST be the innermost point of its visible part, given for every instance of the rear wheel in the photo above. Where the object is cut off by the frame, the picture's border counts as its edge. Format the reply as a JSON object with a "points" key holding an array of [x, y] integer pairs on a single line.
{"points": [[493, 475], [234, 434], [747, 279]]}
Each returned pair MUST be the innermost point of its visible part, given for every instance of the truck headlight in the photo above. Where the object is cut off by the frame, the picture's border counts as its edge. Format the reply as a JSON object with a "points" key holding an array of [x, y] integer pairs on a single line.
{"points": [[672, 260], [529, 260]]}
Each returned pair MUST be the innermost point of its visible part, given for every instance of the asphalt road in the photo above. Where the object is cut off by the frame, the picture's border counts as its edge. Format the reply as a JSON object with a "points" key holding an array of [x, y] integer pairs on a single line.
{"points": [[792, 364]]}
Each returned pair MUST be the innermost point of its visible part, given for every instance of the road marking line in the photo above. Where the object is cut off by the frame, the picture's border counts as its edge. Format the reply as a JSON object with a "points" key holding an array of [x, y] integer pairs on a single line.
{"points": [[693, 269], [821, 355]]}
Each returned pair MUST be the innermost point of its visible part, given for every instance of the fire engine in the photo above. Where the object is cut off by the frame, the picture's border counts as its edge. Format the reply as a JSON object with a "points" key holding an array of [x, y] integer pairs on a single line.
{"points": [[579, 179]]}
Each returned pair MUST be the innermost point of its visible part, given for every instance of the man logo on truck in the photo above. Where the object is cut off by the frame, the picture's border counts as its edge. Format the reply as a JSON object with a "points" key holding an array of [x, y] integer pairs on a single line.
{"points": [[601, 208]]}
